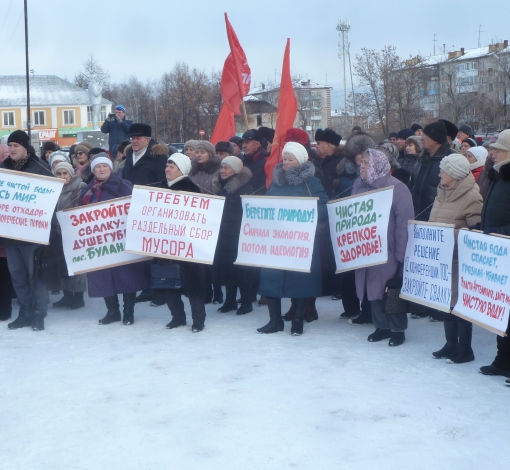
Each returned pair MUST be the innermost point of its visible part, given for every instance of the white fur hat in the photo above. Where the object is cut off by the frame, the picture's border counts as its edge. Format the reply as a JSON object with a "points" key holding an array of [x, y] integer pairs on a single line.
{"points": [[182, 161], [299, 152]]}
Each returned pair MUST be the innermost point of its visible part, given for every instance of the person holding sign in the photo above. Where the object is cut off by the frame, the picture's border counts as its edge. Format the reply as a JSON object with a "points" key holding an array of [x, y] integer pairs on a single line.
{"points": [[110, 282], [496, 219], [294, 177], [458, 202], [195, 285], [372, 280], [30, 290], [232, 181]]}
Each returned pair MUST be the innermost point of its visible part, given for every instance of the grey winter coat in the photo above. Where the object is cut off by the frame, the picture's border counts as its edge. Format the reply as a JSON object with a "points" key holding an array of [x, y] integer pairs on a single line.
{"points": [[202, 173], [372, 280], [296, 182], [71, 193]]}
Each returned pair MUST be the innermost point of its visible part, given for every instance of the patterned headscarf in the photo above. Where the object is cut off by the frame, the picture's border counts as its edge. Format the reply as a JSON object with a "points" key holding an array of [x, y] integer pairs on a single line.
{"points": [[378, 167]]}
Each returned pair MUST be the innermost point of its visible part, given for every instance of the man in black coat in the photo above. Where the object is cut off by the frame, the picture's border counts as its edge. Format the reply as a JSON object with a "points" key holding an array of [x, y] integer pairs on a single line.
{"points": [[30, 289], [328, 142], [117, 127], [426, 171], [254, 159], [496, 219]]}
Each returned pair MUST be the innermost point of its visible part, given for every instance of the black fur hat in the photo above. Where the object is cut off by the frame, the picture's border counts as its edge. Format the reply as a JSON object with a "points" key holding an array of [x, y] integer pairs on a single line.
{"points": [[436, 131], [140, 129], [451, 129], [328, 135], [358, 143]]}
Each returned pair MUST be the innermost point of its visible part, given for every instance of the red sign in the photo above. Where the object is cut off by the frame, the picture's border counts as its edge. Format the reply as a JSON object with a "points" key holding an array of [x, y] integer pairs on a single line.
{"points": [[202, 132], [48, 134]]}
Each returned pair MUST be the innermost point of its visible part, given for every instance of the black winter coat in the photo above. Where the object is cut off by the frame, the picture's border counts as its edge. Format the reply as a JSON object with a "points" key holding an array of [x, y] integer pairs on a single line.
{"points": [[149, 169], [195, 280], [426, 180], [347, 171], [117, 131], [329, 175], [228, 239], [407, 162], [255, 163], [496, 207]]}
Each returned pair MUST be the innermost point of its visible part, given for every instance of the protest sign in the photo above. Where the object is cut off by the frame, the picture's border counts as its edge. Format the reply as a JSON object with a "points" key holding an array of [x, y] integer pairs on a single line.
{"points": [[27, 203], [174, 224], [359, 229], [94, 236], [428, 264], [484, 270], [277, 232]]}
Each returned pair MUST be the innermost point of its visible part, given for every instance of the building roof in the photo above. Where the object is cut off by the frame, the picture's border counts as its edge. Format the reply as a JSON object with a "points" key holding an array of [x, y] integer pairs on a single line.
{"points": [[45, 90], [298, 83]]}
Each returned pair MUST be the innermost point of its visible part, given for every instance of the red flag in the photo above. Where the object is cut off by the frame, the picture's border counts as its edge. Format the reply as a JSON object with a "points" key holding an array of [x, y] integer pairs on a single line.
{"points": [[287, 109], [236, 76], [225, 125]]}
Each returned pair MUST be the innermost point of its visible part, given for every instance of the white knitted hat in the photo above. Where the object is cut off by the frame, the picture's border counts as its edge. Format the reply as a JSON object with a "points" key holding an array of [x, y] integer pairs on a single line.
{"points": [[233, 162], [182, 161], [297, 150], [456, 165]]}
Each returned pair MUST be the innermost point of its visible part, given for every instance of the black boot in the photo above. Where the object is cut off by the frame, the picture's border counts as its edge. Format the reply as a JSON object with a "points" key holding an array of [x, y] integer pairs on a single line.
{"points": [[20, 322], [450, 332], [176, 322], [218, 295], [38, 320], [311, 310], [129, 308], [144, 296], [275, 316], [246, 300], [230, 299], [299, 313], [463, 352], [379, 334], [77, 301], [113, 313], [290, 314], [64, 301], [397, 338]]}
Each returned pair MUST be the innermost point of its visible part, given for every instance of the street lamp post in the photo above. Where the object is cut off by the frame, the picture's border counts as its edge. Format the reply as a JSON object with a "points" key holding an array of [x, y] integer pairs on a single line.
{"points": [[29, 124]]}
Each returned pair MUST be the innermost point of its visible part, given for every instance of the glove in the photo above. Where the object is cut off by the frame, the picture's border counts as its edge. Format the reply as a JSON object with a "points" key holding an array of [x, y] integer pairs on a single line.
{"points": [[490, 230], [474, 227]]}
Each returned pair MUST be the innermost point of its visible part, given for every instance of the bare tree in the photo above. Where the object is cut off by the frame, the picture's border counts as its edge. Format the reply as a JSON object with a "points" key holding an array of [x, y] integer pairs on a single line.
{"points": [[91, 66]]}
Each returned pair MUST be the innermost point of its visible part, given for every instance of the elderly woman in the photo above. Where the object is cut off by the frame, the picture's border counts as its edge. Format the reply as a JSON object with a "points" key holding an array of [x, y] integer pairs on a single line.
{"points": [[372, 280], [73, 286], [195, 286], [476, 156], [57, 157], [294, 177], [458, 202], [232, 181], [110, 282]]}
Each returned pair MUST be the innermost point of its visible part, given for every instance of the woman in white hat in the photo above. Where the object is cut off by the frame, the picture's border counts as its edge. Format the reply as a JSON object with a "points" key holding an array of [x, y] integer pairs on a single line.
{"points": [[476, 157]]}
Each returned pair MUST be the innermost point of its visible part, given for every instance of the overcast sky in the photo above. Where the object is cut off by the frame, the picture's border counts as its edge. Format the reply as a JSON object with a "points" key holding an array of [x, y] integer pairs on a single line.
{"points": [[146, 38]]}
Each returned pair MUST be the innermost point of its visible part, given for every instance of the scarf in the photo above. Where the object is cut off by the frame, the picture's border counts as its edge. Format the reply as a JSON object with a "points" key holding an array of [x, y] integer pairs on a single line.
{"points": [[378, 167], [87, 197], [19, 164]]}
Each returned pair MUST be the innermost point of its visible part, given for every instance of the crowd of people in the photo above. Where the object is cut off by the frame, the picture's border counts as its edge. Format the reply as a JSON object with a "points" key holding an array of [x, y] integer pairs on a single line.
{"points": [[439, 173]]}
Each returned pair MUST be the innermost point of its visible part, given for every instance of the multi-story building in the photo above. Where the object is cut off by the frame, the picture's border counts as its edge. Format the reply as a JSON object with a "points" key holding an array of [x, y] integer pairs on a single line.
{"points": [[466, 86], [59, 109], [314, 106]]}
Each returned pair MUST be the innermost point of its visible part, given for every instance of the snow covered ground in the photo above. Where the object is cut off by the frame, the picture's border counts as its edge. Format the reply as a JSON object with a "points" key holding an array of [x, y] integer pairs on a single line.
{"points": [[84, 396]]}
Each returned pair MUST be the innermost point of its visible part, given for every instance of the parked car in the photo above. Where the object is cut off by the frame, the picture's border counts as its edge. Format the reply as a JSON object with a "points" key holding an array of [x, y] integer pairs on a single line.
{"points": [[179, 146]]}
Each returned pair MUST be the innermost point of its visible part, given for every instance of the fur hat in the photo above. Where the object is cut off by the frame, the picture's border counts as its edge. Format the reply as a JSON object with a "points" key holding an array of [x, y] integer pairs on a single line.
{"points": [[58, 156], [207, 146], [456, 165], [416, 141], [357, 144], [181, 161], [297, 150], [328, 135], [466, 128], [64, 166], [86, 144], [191, 143], [480, 153], [404, 133], [101, 158], [19, 137], [267, 133], [436, 131], [451, 128], [49, 145], [416, 127], [140, 129], [82, 148], [297, 135], [224, 146], [391, 151], [503, 142], [233, 162]]}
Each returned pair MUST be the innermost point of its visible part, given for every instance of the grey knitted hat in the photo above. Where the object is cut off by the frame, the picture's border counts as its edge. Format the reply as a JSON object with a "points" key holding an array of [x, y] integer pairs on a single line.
{"points": [[207, 146]]}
